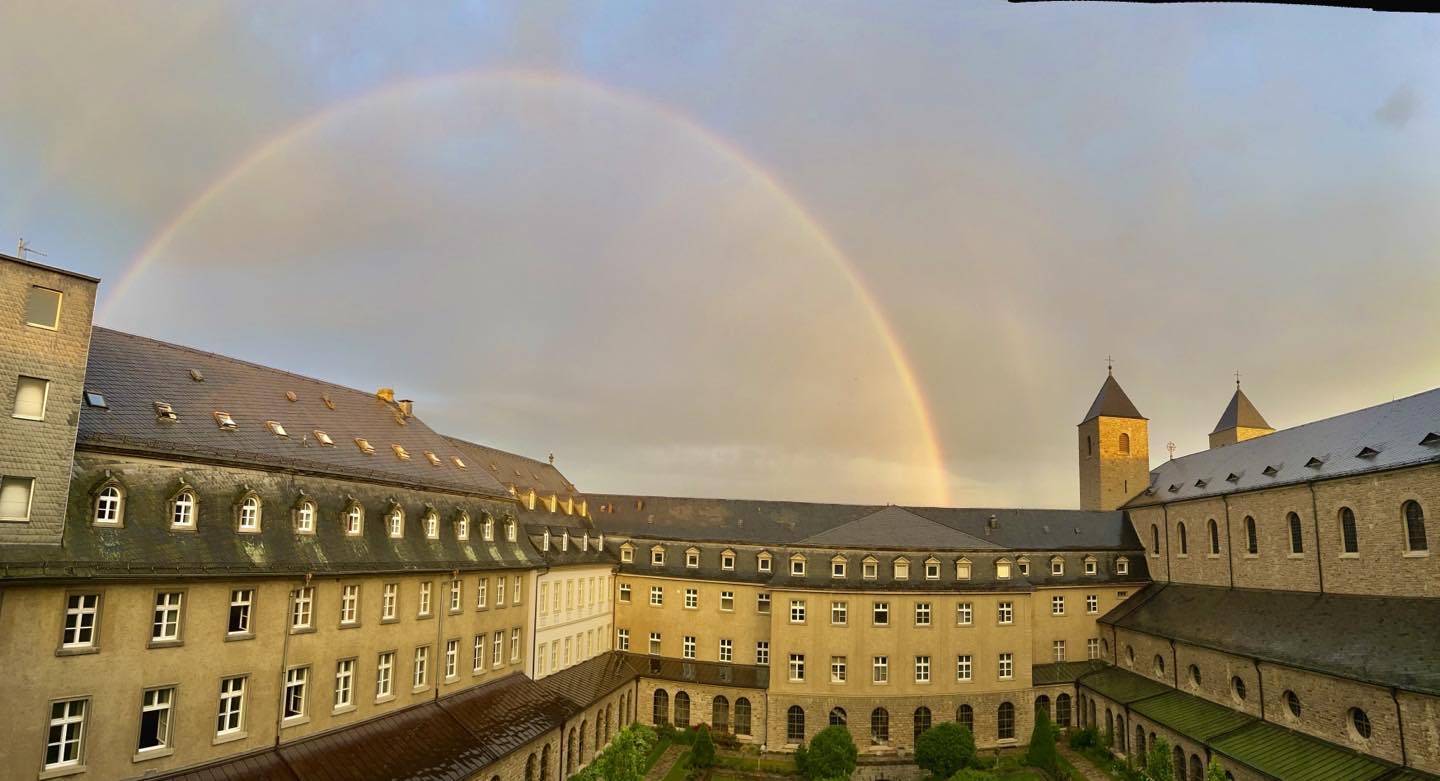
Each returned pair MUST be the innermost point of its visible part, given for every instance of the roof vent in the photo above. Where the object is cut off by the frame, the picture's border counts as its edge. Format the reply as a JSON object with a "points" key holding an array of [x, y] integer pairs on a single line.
{"points": [[225, 422], [365, 446], [1201, 483], [1174, 487], [1314, 463], [1271, 471], [324, 439], [1232, 478], [196, 375], [164, 411], [993, 523], [1367, 452], [290, 396], [275, 428], [1431, 440]]}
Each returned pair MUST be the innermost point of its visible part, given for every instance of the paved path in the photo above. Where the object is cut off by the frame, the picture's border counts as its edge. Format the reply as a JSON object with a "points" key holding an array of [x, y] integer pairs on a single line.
{"points": [[664, 763], [1082, 764]]}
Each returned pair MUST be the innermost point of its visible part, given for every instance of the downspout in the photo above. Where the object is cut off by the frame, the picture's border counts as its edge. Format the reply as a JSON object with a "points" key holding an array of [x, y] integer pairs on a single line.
{"points": [[285, 656], [440, 635], [1315, 516], [1229, 543], [1174, 664], [535, 620], [1260, 683], [1400, 723]]}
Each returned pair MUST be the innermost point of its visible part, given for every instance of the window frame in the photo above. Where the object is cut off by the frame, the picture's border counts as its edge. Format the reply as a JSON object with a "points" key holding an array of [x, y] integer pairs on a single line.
{"points": [[44, 398]]}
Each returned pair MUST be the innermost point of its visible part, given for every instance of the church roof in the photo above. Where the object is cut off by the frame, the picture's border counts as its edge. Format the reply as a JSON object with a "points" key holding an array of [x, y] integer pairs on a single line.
{"points": [[899, 528], [1111, 402], [1240, 413]]}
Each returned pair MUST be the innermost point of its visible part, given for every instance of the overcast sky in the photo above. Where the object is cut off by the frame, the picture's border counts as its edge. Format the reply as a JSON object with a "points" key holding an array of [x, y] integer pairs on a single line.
{"points": [[679, 244]]}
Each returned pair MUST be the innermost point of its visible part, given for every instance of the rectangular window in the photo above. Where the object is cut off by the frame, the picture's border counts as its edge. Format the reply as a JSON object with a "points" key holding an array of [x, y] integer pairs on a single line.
{"points": [[727, 651], [42, 308], [797, 611], [1005, 613], [622, 639], [241, 601], [481, 587], [657, 557], [687, 648], [762, 653], [1122, 567], [797, 567], [30, 396], [67, 731], [762, 603], [922, 614], [624, 592], [654, 643], [839, 613], [515, 645], [1057, 568], [1057, 606], [387, 604], [932, 570], [425, 599], [837, 569], [1090, 567], [500, 591], [692, 559], [477, 654], [657, 596], [155, 722], [349, 605], [880, 669], [727, 601], [869, 570], [1092, 647], [727, 561], [452, 659], [922, 669], [1058, 649], [15, 498], [1007, 666], [964, 614], [293, 701], [385, 675], [762, 563], [300, 610], [962, 570], [881, 613], [837, 669], [1092, 603], [692, 599], [420, 672], [455, 596], [165, 628], [515, 592], [963, 669], [230, 716], [797, 667], [81, 612], [497, 649], [902, 570], [344, 683]]}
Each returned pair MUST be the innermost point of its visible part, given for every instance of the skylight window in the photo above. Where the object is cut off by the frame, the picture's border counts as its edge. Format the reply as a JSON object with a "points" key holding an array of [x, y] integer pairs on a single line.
{"points": [[365, 446], [290, 396], [164, 411], [457, 461], [324, 439], [275, 428], [432, 458], [400, 452], [329, 402], [196, 375], [225, 422], [96, 400]]}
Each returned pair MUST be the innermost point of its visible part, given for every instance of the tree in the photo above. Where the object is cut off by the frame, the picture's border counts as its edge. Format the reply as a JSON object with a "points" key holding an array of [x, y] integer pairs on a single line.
{"points": [[624, 759], [1159, 766], [702, 753], [1042, 745], [945, 749], [830, 755], [1214, 771]]}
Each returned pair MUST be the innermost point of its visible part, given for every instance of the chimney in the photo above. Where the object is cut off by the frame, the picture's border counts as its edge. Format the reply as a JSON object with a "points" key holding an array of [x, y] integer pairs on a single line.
{"points": [[993, 523], [407, 407]]}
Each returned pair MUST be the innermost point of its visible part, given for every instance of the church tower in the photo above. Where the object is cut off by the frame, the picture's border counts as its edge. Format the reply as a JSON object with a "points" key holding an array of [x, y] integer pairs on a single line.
{"points": [[1114, 451], [1239, 422]]}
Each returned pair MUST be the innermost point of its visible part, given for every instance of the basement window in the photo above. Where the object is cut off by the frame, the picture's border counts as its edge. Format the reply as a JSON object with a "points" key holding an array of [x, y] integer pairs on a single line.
{"points": [[365, 446], [164, 411], [275, 428], [324, 439], [225, 422]]}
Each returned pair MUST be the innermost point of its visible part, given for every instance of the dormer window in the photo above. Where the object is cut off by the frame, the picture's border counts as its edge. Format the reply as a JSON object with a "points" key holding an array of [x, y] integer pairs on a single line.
{"points": [[432, 458], [456, 460], [365, 446], [1122, 566], [432, 525], [462, 526], [354, 520], [932, 569], [1002, 569], [545, 541], [762, 562], [902, 569], [1024, 565], [1201, 483], [1314, 463], [657, 556], [797, 565], [1232, 478], [870, 568], [727, 560], [305, 517], [400, 452], [1174, 487], [164, 411], [585, 542], [224, 421], [1091, 565], [250, 514], [692, 558], [510, 530], [396, 522], [1057, 566], [837, 567], [324, 439], [627, 554], [275, 428], [565, 540], [962, 569], [1431, 440], [109, 506], [183, 510], [1367, 452], [488, 530]]}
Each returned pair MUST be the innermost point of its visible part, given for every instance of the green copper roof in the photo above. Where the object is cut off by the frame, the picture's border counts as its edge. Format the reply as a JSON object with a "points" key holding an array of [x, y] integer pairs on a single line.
{"points": [[1122, 686], [1191, 716], [1062, 672], [1282, 753]]}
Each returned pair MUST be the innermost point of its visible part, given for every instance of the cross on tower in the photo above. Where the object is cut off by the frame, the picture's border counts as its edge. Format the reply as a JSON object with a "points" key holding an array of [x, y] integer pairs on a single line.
{"points": [[1237, 378], [1109, 365]]}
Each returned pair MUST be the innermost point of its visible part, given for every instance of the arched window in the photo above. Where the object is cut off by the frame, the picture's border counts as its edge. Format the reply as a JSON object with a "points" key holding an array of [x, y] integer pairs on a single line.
{"points": [[570, 753], [795, 724], [580, 755], [682, 710], [1415, 539], [1195, 675], [1252, 542], [1062, 710], [530, 766], [1120, 730], [1124, 443], [1349, 537], [354, 519], [1139, 745], [1092, 721], [432, 525], [838, 717], [250, 514], [1109, 727], [966, 717], [1197, 768], [396, 521], [1214, 538], [182, 510], [1179, 755], [1005, 722], [305, 517], [545, 763], [720, 713], [487, 532], [462, 526], [1184, 541], [660, 710], [1360, 723], [1154, 540], [879, 726], [510, 530], [922, 721], [1042, 704], [107, 505], [1297, 542], [742, 716]]}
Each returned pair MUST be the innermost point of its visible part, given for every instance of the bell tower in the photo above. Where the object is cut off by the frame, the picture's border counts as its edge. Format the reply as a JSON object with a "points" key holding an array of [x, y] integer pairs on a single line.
{"points": [[1240, 421], [1114, 449]]}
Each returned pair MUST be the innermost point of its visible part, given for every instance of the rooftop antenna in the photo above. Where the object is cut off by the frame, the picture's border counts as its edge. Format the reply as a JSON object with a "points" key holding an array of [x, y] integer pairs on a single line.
{"points": [[1170, 446], [22, 249]]}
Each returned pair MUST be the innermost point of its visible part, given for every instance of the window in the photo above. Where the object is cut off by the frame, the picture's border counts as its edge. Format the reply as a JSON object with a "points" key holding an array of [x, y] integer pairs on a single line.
{"points": [[477, 654], [293, 700], [165, 627], [727, 560], [922, 669], [452, 659], [657, 557], [385, 675], [795, 724], [349, 605], [67, 730], [420, 671], [424, 607], [622, 640], [1184, 542], [657, 596], [797, 611], [879, 669], [1057, 567], [1292, 703], [1005, 722], [1057, 650], [1002, 570], [42, 308], [654, 643], [1122, 566], [962, 569], [1057, 606], [837, 669], [869, 569], [30, 396], [354, 519], [1024, 565], [250, 514], [80, 614], [389, 600], [1124, 443], [902, 569], [880, 613], [727, 601], [300, 609], [487, 531], [1214, 530], [241, 602], [1092, 648], [762, 603], [837, 568], [96, 400], [1090, 567], [1415, 538], [1005, 612], [687, 647], [966, 716], [456, 594], [107, 506], [365, 446], [923, 720], [1006, 666], [15, 498], [692, 599], [344, 683], [1092, 603], [230, 716], [500, 591], [838, 717], [762, 653], [922, 614], [797, 667], [225, 421], [1349, 538], [305, 517], [839, 613], [432, 526], [762, 562], [932, 570], [462, 527], [727, 650], [1159, 665], [624, 592], [1154, 540], [797, 566], [692, 558], [1359, 723], [510, 530], [395, 520], [482, 587], [1297, 540], [880, 726], [155, 711], [964, 669], [1252, 541]]}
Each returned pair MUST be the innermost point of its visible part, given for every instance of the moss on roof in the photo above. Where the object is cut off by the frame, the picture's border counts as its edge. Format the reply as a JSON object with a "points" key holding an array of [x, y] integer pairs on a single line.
{"points": [[1191, 716], [1122, 686], [1282, 753], [1063, 672]]}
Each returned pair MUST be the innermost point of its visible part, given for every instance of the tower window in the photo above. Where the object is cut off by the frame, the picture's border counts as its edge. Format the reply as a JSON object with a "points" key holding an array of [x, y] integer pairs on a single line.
{"points": [[1124, 443], [1089, 446], [42, 309]]}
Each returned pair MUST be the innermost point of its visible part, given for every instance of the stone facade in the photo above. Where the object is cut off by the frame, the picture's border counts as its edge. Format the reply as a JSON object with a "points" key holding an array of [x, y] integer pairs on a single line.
{"points": [[1114, 456]]}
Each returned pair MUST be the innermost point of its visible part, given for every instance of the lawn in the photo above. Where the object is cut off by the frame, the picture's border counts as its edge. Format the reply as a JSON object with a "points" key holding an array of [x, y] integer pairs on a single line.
{"points": [[656, 750], [680, 769]]}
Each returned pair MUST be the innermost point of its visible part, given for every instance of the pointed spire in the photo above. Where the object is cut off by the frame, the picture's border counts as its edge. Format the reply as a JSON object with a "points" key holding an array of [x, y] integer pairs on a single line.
{"points": [[1111, 402], [1240, 413]]}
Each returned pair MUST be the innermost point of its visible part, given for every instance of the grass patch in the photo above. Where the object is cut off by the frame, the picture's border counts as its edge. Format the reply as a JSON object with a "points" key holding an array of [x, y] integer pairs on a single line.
{"points": [[661, 743], [777, 765], [680, 769]]}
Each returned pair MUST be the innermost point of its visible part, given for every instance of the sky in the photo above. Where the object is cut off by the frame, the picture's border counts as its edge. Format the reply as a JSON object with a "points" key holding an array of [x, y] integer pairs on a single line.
{"points": [[843, 251]]}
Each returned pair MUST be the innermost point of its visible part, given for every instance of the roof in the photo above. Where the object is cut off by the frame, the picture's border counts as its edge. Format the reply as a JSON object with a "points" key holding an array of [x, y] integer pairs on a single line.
{"points": [[134, 373], [1282, 753], [1386, 641], [1123, 686], [1386, 436], [1195, 718], [1240, 413], [1063, 672], [744, 676], [1111, 402], [52, 269], [763, 522], [592, 679], [510, 469]]}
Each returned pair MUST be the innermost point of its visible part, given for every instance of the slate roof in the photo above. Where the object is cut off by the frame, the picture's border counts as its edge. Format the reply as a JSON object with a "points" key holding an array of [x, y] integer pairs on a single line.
{"points": [[511, 469], [1394, 431], [877, 527], [1111, 402], [134, 372], [1240, 413], [1386, 641]]}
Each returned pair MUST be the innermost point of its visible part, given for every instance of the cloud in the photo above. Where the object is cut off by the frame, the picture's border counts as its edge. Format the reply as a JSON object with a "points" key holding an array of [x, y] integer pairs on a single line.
{"points": [[1399, 108]]}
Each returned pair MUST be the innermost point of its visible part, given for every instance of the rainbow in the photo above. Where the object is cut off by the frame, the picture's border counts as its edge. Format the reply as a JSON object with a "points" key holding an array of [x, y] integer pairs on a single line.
{"points": [[905, 372]]}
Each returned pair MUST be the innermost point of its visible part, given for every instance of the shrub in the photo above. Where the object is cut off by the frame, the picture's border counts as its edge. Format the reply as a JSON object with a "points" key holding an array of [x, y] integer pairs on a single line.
{"points": [[1214, 772], [1159, 766], [831, 754], [702, 754], [624, 759], [1084, 738], [945, 749], [1042, 752]]}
